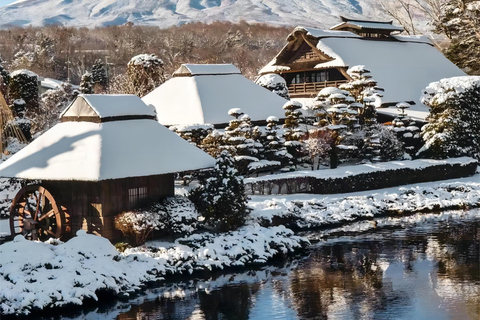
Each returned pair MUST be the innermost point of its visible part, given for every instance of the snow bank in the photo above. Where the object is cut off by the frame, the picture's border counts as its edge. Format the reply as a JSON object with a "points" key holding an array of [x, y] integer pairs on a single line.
{"points": [[36, 275], [307, 211]]}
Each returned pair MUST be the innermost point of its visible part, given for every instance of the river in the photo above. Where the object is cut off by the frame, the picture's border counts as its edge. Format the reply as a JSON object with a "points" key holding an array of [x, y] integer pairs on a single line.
{"points": [[425, 266]]}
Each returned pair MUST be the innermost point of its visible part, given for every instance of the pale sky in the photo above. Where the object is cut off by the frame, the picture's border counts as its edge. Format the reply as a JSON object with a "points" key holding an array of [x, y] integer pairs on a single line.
{"points": [[5, 2]]}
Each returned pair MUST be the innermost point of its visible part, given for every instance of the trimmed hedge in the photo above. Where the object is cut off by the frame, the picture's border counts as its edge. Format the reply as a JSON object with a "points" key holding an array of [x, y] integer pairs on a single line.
{"points": [[363, 181]]}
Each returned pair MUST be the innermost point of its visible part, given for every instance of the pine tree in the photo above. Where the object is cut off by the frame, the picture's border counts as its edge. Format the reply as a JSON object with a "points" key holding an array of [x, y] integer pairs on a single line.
{"points": [[274, 145], [24, 85], [4, 80], [460, 21], [274, 83], [221, 198], [294, 135], [99, 76], [86, 83], [364, 90], [454, 122]]}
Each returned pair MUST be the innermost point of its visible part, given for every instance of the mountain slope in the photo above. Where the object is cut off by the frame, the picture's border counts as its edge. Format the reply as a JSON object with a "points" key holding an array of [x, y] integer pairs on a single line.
{"points": [[165, 13]]}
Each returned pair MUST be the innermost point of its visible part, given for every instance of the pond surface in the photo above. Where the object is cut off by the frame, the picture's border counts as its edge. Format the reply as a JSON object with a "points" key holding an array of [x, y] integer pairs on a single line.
{"points": [[417, 267]]}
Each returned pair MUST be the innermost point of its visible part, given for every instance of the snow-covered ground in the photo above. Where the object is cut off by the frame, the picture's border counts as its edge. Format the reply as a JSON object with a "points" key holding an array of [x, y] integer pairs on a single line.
{"points": [[309, 210], [37, 275]]}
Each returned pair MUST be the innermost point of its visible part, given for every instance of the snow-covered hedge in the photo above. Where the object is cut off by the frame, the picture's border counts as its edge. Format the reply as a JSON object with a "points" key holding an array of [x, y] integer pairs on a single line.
{"points": [[173, 216], [362, 177], [331, 210], [36, 275]]}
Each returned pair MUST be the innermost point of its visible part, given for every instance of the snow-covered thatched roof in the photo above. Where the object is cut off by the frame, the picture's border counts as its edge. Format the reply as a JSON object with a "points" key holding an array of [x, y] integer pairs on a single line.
{"points": [[107, 106], [94, 151], [189, 69], [403, 66], [206, 95], [365, 24]]}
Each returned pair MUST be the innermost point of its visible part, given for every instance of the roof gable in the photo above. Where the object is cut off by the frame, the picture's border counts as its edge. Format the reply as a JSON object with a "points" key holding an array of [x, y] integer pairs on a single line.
{"points": [[188, 70], [102, 107]]}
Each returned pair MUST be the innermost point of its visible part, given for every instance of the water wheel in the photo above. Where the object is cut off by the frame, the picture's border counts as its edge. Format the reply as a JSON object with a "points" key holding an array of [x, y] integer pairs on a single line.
{"points": [[36, 215]]}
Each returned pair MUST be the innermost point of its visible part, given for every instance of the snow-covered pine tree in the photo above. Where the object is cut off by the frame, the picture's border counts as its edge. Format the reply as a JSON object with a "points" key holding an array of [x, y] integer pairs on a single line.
{"points": [[459, 20], [407, 130], [250, 149], [221, 198], [213, 143], [274, 83], [24, 85], [294, 135], [364, 90], [274, 145], [194, 133], [333, 113], [99, 76], [454, 121], [4, 80], [86, 83], [145, 72]]}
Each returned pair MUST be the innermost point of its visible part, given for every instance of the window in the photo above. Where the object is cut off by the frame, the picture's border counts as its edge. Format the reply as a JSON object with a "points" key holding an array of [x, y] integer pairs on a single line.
{"points": [[136, 197]]}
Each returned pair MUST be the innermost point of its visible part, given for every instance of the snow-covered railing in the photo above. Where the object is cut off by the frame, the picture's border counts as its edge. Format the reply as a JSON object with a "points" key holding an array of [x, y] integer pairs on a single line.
{"points": [[362, 177]]}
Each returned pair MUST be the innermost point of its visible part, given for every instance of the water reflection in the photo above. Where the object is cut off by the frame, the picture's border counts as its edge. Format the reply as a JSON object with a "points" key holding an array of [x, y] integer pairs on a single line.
{"points": [[425, 267], [417, 267]]}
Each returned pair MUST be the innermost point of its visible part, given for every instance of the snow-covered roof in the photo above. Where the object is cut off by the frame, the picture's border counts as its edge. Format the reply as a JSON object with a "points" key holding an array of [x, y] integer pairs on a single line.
{"points": [[403, 68], [207, 98], [107, 106], [205, 69], [362, 24], [88, 151]]}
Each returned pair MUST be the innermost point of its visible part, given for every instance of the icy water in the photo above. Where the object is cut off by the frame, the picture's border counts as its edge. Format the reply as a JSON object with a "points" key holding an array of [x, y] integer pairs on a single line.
{"points": [[418, 267]]}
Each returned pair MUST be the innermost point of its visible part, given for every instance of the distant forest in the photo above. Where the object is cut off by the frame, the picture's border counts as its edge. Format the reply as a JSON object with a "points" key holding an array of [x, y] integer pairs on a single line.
{"points": [[67, 53]]}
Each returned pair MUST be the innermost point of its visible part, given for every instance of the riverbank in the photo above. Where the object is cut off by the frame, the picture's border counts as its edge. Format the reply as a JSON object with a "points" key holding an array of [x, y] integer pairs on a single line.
{"points": [[35, 275]]}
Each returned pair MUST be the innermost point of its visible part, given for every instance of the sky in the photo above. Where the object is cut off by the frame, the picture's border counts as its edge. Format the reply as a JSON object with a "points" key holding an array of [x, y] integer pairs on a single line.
{"points": [[5, 2]]}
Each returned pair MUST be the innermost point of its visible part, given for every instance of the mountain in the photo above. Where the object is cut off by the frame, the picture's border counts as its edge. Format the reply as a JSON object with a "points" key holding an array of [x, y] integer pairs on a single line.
{"points": [[166, 13]]}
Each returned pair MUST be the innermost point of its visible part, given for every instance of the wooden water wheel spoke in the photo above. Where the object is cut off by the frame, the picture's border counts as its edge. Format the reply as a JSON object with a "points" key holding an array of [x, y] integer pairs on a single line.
{"points": [[35, 214], [49, 214]]}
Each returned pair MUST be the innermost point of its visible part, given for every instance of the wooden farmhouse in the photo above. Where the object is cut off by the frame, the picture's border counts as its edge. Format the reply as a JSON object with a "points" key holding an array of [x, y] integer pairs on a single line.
{"points": [[402, 65], [108, 155], [204, 93]]}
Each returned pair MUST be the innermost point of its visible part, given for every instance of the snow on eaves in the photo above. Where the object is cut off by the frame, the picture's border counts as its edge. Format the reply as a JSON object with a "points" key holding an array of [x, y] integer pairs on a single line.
{"points": [[87, 151]]}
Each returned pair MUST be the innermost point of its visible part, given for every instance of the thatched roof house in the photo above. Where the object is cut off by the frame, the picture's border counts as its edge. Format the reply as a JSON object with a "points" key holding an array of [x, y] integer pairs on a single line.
{"points": [[203, 93], [402, 65], [108, 155]]}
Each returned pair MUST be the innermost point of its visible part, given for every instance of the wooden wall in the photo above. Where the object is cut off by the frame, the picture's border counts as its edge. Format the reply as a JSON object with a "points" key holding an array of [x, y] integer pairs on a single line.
{"points": [[93, 205]]}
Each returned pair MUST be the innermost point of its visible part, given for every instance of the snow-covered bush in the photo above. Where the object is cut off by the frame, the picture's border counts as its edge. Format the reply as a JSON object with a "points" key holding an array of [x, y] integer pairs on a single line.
{"points": [[221, 198], [145, 73], [274, 83], [193, 133], [52, 103], [4, 79], [454, 122], [172, 216], [23, 85]]}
